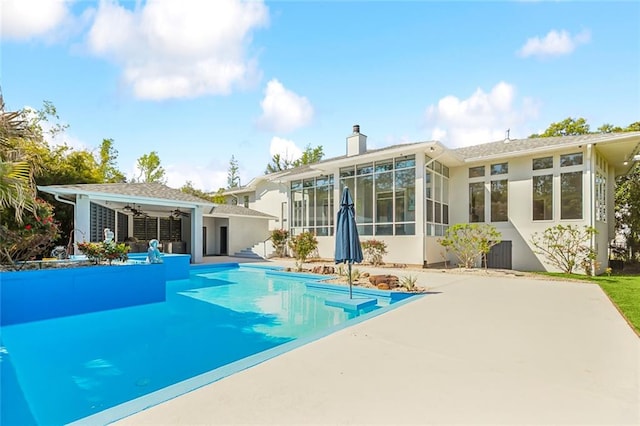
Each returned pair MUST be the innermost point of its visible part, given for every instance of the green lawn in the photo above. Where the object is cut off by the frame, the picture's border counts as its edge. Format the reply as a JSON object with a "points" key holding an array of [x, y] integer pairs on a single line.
{"points": [[623, 290]]}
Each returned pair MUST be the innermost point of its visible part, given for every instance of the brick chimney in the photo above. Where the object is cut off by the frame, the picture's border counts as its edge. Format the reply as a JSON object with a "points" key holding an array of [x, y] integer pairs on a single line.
{"points": [[356, 142]]}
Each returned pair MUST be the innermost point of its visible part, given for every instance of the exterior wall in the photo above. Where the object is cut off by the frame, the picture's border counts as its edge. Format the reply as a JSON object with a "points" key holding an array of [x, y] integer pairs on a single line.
{"points": [[245, 232], [521, 225], [219, 223], [403, 249], [268, 198], [210, 224]]}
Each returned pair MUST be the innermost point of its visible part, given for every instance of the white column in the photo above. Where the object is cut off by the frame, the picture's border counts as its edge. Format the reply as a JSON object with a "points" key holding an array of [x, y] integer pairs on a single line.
{"points": [[82, 219], [196, 234]]}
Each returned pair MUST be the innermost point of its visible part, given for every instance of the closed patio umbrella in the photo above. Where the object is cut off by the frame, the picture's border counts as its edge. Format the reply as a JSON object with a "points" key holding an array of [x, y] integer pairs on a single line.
{"points": [[348, 249]]}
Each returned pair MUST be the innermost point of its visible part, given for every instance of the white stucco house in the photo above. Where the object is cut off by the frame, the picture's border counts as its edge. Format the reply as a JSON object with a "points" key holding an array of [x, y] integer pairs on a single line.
{"points": [[181, 222], [409, 194]]}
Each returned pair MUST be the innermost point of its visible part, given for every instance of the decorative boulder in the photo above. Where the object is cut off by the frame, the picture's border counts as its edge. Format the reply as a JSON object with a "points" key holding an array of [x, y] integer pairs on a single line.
{"points": [[324, 270], [390, 280]]}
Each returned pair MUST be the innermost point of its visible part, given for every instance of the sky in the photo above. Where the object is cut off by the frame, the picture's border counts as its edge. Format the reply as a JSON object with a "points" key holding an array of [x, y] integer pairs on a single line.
{"points": [[202, 81]]}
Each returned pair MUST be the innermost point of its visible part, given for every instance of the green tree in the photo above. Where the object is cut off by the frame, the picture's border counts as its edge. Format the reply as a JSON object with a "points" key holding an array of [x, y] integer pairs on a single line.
{"points": [[150, 168], [309, 156], [278, 163], [188, 188], [565, 246], [633, 127], [567, 127], [279, 239], [303, 245], [233, 175], [609, 128], [470, 241], [107, 163], [627, 206], [218, 197]]}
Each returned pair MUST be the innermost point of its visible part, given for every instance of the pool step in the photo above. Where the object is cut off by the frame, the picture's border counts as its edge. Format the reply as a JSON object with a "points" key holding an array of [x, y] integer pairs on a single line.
{"points": [[354, 304]]}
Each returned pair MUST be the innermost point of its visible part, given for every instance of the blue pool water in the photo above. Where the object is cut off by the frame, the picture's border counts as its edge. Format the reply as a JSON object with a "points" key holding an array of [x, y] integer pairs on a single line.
{"points": [[60, 370]]}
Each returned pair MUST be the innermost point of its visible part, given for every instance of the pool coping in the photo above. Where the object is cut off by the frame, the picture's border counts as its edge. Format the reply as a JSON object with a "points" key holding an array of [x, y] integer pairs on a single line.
{"points": [[176, 390]]}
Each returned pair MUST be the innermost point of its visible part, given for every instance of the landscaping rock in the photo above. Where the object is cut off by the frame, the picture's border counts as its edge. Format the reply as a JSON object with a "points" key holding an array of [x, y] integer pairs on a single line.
{"points": [[324, 270], [390, 280]]}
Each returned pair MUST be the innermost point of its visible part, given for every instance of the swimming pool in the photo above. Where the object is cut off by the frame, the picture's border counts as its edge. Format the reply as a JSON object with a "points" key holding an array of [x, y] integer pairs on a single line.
{"points": [[113, 363]]}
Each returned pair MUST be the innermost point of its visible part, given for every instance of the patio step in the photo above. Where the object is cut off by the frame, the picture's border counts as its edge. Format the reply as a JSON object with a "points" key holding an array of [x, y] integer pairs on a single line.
{"points": [[248, 253]]}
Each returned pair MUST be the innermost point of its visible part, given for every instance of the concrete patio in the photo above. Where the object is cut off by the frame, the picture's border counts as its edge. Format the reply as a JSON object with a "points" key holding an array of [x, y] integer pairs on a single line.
{"points": [[479, 350]]}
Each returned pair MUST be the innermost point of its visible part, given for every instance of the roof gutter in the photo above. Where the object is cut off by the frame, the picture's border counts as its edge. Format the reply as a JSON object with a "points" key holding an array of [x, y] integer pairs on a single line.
{"points": [[62, 200]]}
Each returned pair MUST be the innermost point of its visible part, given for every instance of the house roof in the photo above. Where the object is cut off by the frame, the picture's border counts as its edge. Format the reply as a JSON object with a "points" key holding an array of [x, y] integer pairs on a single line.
{"points": [[146, 191], [369, 155], [500, 148], [224, 210], [157, 196]]}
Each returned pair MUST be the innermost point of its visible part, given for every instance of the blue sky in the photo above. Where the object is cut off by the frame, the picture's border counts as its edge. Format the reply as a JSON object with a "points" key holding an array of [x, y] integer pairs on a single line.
{"points": [[199, 81]]}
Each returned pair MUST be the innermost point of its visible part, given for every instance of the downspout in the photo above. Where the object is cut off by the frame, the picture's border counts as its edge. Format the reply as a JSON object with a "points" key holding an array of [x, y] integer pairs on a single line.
{"points": [[73, 231], [592, 203]]}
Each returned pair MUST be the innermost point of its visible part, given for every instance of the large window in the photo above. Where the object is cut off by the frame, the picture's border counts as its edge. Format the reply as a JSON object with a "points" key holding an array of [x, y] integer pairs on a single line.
{"points": [[476, 202], [436, 180], [571, 195], [542, 188], [499, 192], [499, 200], [384, 195], [543, 197], [312, 206], [571, 186]]}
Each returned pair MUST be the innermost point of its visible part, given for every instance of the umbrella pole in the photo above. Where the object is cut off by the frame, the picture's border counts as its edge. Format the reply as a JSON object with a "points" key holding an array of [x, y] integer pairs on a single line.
{"points": [[350, 290]]}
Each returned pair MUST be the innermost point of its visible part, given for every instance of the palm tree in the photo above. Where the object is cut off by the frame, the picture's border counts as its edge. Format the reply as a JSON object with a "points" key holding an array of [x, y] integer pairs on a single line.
{"points": [[17, 184]]}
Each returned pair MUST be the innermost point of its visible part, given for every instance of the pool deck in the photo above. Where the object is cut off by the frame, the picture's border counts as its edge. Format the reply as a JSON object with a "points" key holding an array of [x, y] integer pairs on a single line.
{"points": [[478, 350]]}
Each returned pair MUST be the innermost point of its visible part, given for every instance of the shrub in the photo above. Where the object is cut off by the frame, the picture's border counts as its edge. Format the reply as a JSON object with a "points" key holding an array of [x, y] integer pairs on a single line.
{"points": [[566, 246], [279, 240], [104, 251], [373, 251], [26, 239], [469, 241], [302, 246], [408, 282]]}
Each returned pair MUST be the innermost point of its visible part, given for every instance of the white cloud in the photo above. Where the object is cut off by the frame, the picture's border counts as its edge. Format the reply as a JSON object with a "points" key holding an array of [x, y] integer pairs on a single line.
{"points": [[284, 110], [205, 178], [179, 49], [483, 117], [555, 43], [286, 148], [26, 19]]}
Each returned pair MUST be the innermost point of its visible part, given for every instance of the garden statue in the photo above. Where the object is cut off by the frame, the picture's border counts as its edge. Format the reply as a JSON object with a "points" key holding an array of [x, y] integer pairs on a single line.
{"points": [[153, 255], [108, 235], [59, 252]]}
